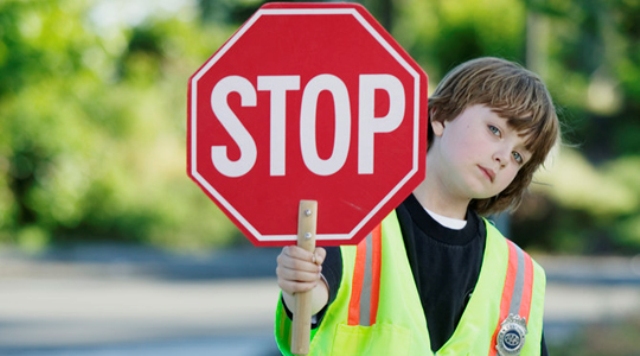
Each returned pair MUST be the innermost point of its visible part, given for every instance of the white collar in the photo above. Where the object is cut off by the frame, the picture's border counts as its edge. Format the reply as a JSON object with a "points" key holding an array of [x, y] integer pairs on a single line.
{"points": [[451, 223]]}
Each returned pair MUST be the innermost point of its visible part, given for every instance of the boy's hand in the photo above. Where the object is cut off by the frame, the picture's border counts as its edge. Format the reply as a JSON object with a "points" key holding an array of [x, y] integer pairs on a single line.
{"points": [[299, 270]]}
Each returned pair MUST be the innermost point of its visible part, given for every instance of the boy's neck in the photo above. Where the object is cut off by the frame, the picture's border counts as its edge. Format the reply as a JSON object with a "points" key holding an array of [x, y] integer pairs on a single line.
{"points": [[432, 198]]}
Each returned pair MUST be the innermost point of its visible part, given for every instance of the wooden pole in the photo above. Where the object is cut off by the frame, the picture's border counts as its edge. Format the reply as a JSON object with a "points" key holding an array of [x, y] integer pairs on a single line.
{"points": [[307, 217]]}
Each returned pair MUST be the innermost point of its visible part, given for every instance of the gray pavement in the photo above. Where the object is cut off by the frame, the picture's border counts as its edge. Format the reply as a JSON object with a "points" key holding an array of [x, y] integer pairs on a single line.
{"points": [[53, 314], [115, 300], [110, 300]]}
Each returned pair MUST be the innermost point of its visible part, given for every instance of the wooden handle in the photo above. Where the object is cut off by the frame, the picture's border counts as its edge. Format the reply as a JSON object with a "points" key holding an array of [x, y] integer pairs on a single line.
{"points": [[307, 217]]}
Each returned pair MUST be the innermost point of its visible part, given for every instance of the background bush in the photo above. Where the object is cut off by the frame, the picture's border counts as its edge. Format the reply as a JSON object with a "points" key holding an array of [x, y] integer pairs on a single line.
{"points": [[92, 110]]}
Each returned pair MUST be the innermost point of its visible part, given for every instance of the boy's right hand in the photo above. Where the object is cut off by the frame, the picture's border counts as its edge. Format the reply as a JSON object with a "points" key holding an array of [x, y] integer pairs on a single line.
{"points": [[299, 270]]}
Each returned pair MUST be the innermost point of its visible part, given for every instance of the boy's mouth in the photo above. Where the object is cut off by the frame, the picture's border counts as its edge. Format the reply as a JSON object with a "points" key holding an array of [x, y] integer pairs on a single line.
{"points": [[488, 172]]}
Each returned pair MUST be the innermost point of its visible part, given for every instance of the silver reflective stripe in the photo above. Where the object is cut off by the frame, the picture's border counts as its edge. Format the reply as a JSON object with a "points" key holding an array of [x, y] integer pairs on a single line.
{"points": [[518, 286], [365, 293]]}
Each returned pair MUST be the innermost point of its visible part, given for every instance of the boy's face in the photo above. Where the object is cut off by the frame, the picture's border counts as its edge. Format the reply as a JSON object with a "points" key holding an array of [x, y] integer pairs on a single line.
{"points": [[476, 155]]}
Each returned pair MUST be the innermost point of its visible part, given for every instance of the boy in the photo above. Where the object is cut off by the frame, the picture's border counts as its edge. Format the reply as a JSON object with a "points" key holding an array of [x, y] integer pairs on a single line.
{"points": [[435, 277]]}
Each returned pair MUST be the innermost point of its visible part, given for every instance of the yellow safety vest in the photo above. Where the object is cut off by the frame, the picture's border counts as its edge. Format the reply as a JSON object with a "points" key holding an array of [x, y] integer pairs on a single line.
{"points": [[377, 310]]}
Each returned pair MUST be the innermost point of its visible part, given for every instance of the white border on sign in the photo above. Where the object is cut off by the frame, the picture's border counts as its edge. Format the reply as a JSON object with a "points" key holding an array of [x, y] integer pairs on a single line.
{"points": [[231, 42]]}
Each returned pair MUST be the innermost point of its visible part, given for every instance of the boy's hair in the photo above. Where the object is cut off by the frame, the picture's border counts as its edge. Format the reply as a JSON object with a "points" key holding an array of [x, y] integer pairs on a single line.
{"points": [[513, 93]]}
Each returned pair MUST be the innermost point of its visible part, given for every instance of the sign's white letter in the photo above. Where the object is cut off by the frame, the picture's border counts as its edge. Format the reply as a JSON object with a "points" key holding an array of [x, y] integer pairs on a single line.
{"points": [[278, 86], [342, 110], [234, 127], [368, 124]]}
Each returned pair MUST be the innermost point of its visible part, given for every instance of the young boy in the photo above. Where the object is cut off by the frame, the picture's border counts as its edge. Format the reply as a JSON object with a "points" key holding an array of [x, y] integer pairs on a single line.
{"points": [[435, 277]]}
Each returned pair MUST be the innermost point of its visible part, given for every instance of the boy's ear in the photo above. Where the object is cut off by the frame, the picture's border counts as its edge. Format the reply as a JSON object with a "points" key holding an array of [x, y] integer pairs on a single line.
{"points": [[437, 126]]}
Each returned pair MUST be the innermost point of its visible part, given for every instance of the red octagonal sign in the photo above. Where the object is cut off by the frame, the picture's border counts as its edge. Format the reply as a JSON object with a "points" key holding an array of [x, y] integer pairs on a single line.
{"points": [[308, 102]]}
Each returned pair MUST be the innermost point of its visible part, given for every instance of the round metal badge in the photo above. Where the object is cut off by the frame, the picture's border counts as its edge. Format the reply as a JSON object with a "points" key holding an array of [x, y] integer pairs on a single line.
{"points": [[511, 336]]}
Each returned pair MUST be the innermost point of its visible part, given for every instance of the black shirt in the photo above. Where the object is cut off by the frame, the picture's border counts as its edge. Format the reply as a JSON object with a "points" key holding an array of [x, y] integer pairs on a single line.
{"points": [[445, 264]]}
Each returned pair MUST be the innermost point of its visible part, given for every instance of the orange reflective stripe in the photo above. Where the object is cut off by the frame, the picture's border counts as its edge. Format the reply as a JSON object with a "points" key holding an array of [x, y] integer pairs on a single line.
{"points": [[527, 292], [356, 285], [517, 291], [375, 266], [365, 292]]}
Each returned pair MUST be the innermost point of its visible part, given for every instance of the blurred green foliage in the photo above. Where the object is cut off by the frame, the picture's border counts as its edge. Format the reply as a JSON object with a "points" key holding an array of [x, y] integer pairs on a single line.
{"points": [[92, 145], [92, 110]]}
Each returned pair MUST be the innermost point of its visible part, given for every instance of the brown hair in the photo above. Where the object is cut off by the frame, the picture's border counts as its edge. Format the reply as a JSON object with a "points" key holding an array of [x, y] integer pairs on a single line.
{"points": [[513, 93]]}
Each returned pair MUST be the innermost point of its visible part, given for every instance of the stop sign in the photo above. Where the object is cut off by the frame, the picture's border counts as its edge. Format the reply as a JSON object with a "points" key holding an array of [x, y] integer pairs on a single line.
{"points": [[308, 102]]}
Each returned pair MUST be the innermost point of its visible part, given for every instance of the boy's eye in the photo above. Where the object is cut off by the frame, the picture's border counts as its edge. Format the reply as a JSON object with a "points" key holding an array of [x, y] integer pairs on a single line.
{"points": [[494, 130], [518, 157]]}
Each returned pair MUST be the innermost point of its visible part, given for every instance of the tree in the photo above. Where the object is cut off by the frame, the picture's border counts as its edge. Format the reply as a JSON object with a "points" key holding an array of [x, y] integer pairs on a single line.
{"points": [[93, 130]]}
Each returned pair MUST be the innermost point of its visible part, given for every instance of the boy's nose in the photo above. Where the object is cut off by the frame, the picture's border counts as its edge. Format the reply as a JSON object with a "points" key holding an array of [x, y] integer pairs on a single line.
{"points": [[502, 157]]}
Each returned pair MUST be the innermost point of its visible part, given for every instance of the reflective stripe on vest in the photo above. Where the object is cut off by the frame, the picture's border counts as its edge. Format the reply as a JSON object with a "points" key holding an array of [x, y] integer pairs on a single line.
{"points": [[517, 292], [363, 305]]}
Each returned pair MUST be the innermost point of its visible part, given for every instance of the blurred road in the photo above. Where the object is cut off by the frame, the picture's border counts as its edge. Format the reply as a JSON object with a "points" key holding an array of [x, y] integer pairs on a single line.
{"points": [[106, 300]]}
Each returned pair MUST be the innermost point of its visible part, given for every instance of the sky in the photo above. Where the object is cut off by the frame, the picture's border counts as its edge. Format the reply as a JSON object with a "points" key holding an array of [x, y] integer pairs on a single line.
{"points": [[110, 13]]}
